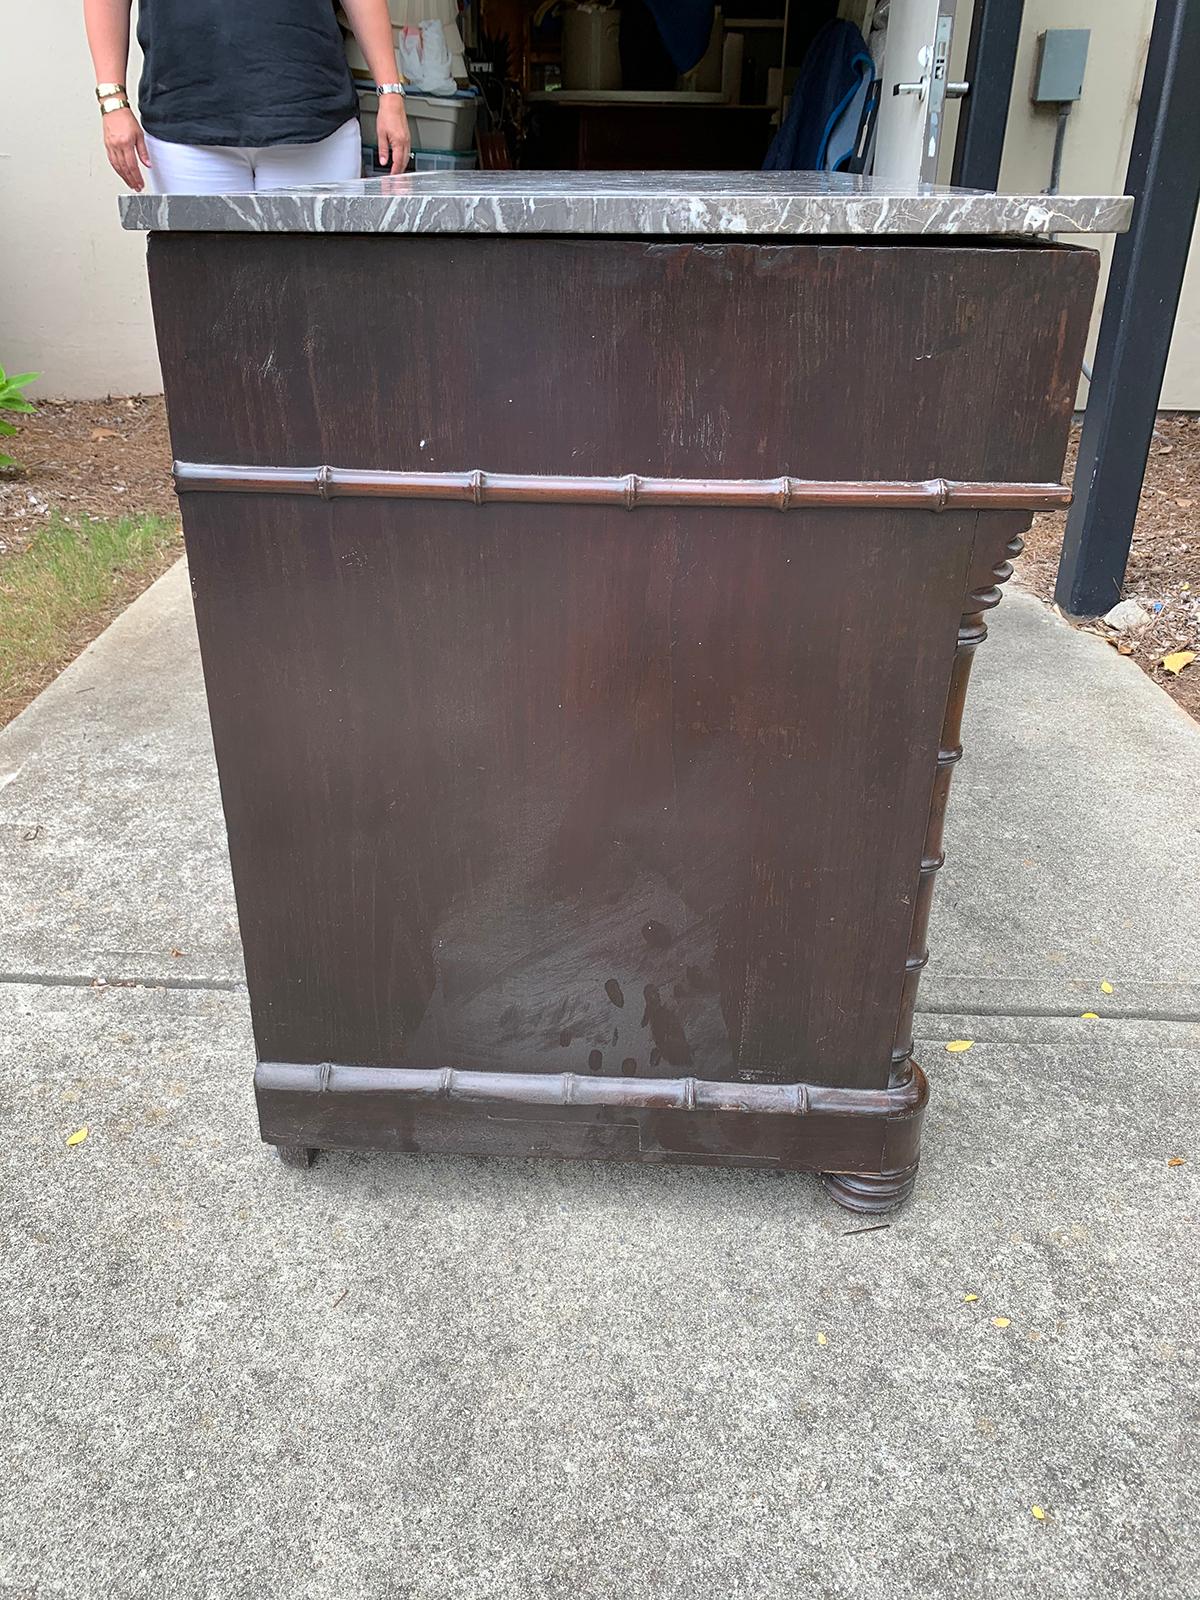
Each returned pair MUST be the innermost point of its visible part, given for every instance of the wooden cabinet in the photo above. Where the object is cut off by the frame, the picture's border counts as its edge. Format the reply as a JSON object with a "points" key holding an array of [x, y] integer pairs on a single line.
{"points": [[586, 624], [672, 135]]}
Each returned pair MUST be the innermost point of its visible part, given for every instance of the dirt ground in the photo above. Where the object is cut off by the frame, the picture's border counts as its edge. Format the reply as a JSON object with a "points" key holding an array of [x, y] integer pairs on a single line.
{"points": [[1164, 560], [110, 458], [86, 458], [99, 462]]}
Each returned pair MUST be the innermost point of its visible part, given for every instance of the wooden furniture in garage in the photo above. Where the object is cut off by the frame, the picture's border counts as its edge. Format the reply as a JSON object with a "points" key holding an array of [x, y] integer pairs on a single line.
{"points": [[588, 569]]}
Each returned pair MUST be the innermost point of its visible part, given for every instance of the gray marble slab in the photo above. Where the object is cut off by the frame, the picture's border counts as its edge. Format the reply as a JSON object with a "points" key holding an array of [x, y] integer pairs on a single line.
{"points": [[696, 203]]}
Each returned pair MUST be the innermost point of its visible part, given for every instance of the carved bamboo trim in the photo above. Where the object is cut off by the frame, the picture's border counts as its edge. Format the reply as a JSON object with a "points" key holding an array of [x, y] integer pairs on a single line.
{"points": [[630, 491], [983, 592], [902, 1098]]}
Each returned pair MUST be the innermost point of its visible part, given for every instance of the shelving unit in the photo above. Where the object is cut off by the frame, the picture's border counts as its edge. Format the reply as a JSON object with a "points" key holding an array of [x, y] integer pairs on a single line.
{"points": [[775, 35], [765, 34]]}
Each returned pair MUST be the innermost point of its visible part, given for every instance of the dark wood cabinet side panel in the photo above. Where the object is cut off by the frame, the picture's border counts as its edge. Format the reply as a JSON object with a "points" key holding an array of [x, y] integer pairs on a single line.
{"points": [[546, 789], [873, 360], [563, 789]]}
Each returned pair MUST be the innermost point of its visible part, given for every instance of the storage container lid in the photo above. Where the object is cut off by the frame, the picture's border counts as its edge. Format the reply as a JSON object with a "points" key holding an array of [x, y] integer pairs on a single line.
{"points": [[675, 203]]}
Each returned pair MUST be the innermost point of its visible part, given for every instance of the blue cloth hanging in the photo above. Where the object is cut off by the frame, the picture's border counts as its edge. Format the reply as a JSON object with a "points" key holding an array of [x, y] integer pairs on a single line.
{"points": [[835, 77], [686, 27]]}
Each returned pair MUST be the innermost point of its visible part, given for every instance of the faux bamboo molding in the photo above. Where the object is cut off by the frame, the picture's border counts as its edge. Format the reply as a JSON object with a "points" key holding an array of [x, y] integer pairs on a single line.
{"points": [[902, 1098], [983, 592], [630, 491]]}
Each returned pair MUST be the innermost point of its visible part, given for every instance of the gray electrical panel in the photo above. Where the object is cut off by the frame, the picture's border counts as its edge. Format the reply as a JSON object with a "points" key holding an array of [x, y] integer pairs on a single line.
{"points": [[1061, 58]]}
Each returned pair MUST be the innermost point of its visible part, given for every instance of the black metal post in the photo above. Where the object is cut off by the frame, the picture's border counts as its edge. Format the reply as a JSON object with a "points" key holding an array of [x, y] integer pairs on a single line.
{"points": [[983, 113], [1139, 317]]}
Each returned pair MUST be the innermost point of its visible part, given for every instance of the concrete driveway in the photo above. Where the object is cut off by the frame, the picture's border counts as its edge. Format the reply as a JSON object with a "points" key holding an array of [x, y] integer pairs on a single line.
{"points": [[459, 1379]]}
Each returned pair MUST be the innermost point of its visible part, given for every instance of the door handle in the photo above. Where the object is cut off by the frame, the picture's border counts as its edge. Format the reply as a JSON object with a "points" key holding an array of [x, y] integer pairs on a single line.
{"points": [[954, 91]]}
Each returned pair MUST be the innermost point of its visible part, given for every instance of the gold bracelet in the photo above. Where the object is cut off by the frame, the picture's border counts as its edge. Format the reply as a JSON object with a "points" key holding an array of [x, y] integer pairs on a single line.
{"points": [[114, 103], [105, 91]]}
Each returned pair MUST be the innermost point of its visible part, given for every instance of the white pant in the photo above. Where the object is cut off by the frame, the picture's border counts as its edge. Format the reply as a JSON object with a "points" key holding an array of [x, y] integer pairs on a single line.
{"points": [[234, 169]]}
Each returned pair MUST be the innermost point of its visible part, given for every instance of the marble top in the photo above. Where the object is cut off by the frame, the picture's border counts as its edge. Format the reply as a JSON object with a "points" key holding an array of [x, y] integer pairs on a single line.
{"points": [[704, 203]]}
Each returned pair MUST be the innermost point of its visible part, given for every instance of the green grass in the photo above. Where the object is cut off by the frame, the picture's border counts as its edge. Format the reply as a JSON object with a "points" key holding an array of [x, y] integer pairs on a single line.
{"points": [[60, 591]]}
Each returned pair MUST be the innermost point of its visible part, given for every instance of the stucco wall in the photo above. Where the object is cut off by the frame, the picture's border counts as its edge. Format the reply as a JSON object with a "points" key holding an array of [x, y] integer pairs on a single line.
{"points": [[1096, 148], [73, 301]]}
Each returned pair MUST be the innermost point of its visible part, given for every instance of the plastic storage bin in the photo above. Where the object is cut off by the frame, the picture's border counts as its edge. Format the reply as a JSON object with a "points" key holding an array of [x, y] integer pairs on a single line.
{"points": [[438, 122], [445, 160]]}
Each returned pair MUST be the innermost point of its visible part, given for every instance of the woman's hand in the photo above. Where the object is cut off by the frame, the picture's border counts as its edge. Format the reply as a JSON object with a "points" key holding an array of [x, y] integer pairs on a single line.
{"points": [[391, 131], [125, 146], [372, 25]]}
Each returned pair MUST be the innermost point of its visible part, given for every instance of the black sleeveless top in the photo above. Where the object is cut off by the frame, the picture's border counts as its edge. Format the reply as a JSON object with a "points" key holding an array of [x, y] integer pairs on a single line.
{"points": [[243, 72]]}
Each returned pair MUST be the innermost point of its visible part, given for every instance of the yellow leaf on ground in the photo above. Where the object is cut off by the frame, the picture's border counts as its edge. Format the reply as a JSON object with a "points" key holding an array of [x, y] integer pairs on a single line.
{"points": [[1174, 1161], [1177, 660], [78, 1136], [969, 1297], [1106, 987], [1038, 1513], [1089, 1016], [821, 1339], [957, 1046], [1001, 1322]]}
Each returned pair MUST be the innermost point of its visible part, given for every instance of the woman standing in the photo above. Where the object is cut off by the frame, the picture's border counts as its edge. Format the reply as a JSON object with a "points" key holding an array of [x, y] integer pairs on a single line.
{"points": [[238, 95]]}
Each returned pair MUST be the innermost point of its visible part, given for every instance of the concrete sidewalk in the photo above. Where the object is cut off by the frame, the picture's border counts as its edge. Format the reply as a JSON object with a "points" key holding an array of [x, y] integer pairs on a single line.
{"points": [[459, 1379]]}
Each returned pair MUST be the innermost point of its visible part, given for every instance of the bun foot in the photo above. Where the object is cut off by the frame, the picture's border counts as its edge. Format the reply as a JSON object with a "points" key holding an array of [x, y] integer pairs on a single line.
{"points": [[295, 1155], [871, 1192]]}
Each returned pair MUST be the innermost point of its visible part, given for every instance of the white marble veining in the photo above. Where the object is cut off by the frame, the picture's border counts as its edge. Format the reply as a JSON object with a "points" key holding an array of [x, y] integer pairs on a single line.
{"points": [[698, 203]]}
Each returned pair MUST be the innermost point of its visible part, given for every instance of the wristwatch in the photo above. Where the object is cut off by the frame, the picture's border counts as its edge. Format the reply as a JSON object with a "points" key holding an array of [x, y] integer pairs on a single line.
{"points": [[391, 88]]}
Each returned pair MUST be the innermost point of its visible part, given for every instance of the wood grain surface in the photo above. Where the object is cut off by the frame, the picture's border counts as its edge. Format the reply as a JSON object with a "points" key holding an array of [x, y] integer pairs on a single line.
{"points": [[536, 787]]}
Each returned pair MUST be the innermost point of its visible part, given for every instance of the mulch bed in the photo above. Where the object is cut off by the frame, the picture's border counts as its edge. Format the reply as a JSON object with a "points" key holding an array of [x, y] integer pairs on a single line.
{"points": [[109, 458], [1164, 559], [86, 458], [85, 461]]}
